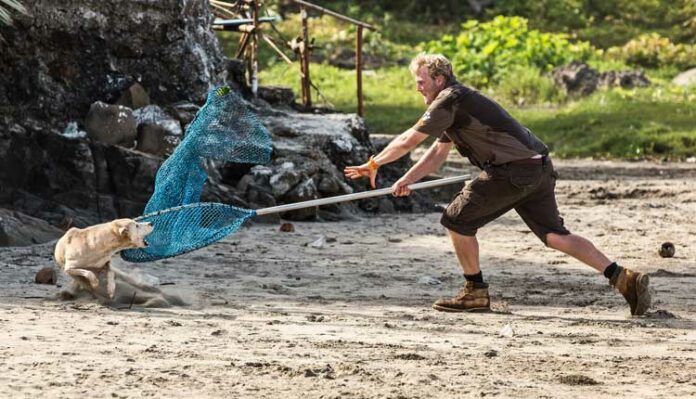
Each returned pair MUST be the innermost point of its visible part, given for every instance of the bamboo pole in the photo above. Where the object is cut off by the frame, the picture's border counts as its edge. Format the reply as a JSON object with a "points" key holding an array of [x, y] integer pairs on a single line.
{"points": [[255, 49], [223, 10], [358, 68], [335, 14], [273, 45], [304, 59]]}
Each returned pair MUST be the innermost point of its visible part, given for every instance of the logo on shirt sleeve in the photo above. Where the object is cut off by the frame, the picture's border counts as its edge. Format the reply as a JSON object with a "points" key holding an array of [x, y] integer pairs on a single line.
{"points": [[425, 118]]}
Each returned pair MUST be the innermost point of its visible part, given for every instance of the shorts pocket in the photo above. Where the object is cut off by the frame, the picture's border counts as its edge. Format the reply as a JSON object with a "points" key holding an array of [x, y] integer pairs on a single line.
{"points": [[467, 202], [524, 181]]}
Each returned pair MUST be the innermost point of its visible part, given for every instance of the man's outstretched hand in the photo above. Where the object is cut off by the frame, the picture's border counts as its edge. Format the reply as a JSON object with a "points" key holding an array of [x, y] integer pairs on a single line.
{"points": [[400, 188], [368, 169]]}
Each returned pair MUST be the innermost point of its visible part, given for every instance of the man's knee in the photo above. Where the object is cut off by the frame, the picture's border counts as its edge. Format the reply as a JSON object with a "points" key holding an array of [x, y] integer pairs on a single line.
{"points": [[555, 240], [461, 234]]}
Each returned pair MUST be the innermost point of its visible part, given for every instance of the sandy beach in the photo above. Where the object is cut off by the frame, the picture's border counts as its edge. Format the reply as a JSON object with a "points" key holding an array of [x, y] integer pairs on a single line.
{"points": [[342, 309]]}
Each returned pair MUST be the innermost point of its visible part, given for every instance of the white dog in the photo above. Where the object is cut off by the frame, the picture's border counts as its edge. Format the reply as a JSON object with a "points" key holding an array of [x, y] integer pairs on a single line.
{"points": [[85, 253]]}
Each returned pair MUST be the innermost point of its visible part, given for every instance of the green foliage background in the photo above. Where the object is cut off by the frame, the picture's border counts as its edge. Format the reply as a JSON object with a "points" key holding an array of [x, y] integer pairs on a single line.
{"points": [[507, 51]]}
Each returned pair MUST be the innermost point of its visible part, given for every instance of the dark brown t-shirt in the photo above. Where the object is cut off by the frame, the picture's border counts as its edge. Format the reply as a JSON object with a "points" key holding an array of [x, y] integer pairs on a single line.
{"points": [[479, 127]]}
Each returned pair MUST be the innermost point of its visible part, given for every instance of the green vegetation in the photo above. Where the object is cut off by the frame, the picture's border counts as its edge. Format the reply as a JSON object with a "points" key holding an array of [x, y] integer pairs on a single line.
{"points": [[482, 52], [632, 124], [392, 104], [509, 58]]}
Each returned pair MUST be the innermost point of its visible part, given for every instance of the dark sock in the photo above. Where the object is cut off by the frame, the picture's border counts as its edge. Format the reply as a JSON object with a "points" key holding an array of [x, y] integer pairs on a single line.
{"points": [[609, 271], [477, 278]]}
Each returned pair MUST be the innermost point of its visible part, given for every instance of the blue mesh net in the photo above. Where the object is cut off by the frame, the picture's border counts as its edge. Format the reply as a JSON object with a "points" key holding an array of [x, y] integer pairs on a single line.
{"points": [[224, 129]]}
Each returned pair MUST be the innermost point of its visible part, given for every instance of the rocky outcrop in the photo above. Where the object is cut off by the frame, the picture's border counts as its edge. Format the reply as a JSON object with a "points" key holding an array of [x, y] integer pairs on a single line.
{"points": [[686, 78], [580, 79], [68, 54], [81, 141], [18, 230], [78, 181]]}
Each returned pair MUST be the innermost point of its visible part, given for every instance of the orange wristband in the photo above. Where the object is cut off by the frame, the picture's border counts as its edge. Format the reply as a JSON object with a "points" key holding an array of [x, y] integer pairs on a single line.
{"points": [[372, 164]]}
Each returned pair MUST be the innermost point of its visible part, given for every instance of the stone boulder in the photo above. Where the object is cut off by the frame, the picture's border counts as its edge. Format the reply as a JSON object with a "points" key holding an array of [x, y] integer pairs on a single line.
{"points": [[134, 97], [158, 133], [686, 78], [111, 124], [18, 230], [624, 79], [576, 78], [71, 181], [580, 79], [65, 55], [277, 95], [183, 111]]}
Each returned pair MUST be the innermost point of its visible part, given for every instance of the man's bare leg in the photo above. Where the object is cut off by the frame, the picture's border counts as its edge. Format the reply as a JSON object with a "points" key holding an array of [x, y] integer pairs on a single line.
{"points": [[632, 285], [579, 248], [474, 295], [467, 250]]}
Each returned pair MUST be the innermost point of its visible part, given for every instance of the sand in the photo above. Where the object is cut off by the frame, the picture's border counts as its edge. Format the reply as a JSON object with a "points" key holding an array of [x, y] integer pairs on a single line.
{"points": [[274, 314]]}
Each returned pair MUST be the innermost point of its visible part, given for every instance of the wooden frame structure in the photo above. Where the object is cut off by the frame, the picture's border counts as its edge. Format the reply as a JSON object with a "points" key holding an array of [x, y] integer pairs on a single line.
{"points": [[248, 43], [305, 51]]}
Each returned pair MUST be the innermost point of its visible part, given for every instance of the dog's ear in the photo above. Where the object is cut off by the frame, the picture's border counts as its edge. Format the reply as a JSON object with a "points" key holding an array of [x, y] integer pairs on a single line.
{"points": [[127, 230]]}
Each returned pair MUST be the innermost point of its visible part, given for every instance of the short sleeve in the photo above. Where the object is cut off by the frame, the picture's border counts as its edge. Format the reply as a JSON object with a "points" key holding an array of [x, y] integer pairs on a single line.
{"points": [[435, 121]]}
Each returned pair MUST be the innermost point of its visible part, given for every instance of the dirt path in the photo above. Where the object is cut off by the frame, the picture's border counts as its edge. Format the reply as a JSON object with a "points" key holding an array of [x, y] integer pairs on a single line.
{"points": [[273, 316]]}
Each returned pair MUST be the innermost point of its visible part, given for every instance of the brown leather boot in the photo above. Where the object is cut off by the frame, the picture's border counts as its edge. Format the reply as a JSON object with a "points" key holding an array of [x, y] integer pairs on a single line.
{"points": [[634, 287], [472, 297]]}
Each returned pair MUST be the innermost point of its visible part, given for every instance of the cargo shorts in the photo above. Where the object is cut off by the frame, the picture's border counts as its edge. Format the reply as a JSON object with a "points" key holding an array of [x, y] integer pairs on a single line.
{"points": [[527, 188]]}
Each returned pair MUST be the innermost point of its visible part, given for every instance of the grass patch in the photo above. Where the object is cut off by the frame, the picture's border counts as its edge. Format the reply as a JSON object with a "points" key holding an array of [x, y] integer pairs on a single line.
{"points": [[391, 101], [630, 124], [655, 122]]}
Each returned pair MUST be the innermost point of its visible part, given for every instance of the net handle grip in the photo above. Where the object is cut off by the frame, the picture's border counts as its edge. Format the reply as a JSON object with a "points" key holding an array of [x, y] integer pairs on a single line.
{"points": [[360, 195]]}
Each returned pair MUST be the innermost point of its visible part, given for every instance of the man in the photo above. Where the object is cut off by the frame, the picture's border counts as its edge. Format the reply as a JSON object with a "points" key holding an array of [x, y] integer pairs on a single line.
{"points": [[516, 174]]}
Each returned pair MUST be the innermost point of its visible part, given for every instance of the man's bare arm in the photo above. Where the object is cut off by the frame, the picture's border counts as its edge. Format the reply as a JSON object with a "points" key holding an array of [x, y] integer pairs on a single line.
{"points": [[400, 146], [397, 148], [428, 163]]}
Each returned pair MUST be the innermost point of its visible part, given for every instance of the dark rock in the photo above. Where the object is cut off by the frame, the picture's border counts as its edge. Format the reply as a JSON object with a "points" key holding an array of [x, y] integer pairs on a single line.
{"points": [[184, 112], [666, 250], [155, 115], [151, 139], [50, 74], [53, 71], [304, 191], [18, 230], [576, 78], [579, 78], [135, 97], [277, 95], [111, 124], [60, 179], [285, 131], [46, 275], [624, 79], [158, 133], [236, 75], [329, 186], [577, 379], [283, 181], [287, 228]]}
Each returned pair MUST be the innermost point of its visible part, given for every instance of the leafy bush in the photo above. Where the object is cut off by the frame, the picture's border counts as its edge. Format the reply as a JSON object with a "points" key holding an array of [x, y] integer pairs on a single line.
{"points": [[523, 86], [653, 51], [606, 23], [483, 52]]}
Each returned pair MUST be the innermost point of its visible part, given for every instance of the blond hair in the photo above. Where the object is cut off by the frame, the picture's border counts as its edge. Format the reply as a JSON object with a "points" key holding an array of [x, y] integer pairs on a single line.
{"points": [[435, 64]]}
